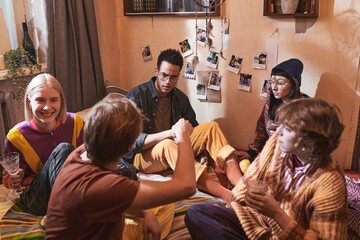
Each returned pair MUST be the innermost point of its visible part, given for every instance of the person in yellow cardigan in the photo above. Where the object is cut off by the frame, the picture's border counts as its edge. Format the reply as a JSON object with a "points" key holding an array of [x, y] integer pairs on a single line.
{"points": [[304, 194]]}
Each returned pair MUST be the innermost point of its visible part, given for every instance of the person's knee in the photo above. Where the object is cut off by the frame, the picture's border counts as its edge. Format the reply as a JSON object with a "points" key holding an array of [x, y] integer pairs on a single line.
{"points": [[64, 147], [210, 125], [61, 152], [193, 214], [167, 144]]}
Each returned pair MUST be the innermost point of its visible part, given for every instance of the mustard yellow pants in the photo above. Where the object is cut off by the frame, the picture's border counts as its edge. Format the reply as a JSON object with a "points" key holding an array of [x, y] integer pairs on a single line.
{"points": [[206, 136], [133, 225]]}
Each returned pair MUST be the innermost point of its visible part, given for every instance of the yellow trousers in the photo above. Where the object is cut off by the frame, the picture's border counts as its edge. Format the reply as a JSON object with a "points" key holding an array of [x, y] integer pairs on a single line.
{"points": [[205, 137], [133, 225]]}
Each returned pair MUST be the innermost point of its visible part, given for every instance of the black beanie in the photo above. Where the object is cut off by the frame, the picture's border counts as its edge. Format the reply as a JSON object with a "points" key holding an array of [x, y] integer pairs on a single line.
{"points": [[293, 67]]}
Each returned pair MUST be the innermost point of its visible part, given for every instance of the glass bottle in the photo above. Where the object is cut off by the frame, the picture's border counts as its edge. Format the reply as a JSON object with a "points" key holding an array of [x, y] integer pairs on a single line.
{"points": [[28, 44]]}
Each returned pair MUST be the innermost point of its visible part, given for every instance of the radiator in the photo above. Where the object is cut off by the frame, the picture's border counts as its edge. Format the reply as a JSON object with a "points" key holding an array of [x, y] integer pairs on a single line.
{"points": [[7, 118]]}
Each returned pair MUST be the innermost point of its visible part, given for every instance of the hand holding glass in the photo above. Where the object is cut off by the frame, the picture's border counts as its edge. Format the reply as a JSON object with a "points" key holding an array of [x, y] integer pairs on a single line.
{"points": [[10, 162], [257, 186]]}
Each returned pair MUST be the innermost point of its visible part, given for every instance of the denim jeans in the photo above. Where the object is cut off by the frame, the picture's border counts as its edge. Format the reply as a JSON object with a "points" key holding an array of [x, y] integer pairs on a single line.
{"points": [[36, 199]]}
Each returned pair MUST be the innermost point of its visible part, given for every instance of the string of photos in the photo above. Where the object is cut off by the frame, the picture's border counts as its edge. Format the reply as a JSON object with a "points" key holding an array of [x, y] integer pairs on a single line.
{"points": [[209, 81], [209, 5]]}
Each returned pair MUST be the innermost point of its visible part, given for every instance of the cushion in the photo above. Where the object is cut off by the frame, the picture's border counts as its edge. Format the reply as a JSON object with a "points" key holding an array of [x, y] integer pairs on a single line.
{"points": [[112, 88]]}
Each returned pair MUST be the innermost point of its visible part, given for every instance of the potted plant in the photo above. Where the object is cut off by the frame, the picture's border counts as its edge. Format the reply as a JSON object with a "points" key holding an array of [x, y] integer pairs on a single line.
{"points": [[16, 61]]}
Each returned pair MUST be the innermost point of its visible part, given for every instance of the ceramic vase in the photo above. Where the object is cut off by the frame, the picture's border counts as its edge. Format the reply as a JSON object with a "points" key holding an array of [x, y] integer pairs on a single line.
{"points": [[289, 6]]}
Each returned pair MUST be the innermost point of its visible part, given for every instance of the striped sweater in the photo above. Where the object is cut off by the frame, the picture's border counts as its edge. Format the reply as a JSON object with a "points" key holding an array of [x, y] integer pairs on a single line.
{"points": [[35, 146], [262, 130], [318, 207]]}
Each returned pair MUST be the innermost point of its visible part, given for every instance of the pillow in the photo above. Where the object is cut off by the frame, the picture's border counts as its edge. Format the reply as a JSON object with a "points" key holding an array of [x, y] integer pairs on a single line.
{"points": [[110, 89], [114, 89]]}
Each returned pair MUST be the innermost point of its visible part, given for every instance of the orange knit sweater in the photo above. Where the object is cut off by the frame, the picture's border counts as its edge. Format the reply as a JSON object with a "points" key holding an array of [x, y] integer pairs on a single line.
{"points": [[318, 207]]}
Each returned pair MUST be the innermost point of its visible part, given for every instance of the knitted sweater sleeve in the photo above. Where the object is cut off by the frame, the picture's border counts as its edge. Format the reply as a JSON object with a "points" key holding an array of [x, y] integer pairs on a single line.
{"points": [[261, 135], [318, 212], [327, 211], [261, 132]]}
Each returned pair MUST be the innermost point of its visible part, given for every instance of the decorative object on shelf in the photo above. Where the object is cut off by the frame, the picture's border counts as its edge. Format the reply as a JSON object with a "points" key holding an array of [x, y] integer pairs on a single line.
{"points": [[303, 6], [165, 7], [300, 8], [211, 4], [16, 71], [28, 44], [289, 6], [277, 7]]}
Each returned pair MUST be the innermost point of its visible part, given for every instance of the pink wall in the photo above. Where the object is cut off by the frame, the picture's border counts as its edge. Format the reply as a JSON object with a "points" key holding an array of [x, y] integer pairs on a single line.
{"points": [[328, 46]]}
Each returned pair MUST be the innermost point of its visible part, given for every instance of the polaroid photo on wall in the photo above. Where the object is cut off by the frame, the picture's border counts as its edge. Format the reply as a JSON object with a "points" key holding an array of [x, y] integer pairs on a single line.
{"points": [[201, 37], [265, 88], [185, 48], [245, 82], [212, 59], [146, 53], [234, 64], [259, 61], [201, 91], [214, 81], [189, 71]]}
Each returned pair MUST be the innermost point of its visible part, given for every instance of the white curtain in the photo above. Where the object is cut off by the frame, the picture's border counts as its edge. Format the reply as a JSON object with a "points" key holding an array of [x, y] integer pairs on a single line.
{"points": [[9, 15], [36, 20]]}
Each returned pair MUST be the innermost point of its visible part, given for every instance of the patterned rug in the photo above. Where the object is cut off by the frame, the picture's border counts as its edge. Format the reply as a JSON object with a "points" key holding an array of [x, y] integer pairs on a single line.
{"points": [[17, 224]]}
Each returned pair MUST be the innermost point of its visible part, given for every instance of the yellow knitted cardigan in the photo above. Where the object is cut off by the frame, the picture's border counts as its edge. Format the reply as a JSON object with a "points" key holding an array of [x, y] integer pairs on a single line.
{"points": [[318, 207]]}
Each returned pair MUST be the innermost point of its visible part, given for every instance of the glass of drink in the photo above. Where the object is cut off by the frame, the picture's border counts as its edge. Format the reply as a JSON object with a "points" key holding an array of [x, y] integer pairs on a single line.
{"points": [[257, 186], [10, 162]]}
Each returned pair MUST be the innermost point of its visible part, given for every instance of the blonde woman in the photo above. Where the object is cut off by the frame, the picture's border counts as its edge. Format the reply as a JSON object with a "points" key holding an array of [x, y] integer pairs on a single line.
{"points": [[43, 141]]}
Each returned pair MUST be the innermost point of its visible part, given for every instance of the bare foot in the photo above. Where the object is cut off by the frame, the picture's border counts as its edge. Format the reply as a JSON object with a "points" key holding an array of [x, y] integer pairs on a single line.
{"points": [[43, 222], [204, 161], [203, 158]]}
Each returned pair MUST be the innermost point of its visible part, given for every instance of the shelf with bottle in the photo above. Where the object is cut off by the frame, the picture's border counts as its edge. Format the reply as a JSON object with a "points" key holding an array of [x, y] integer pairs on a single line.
{"points": [[184, 8], [305, 9], [28, 44]]}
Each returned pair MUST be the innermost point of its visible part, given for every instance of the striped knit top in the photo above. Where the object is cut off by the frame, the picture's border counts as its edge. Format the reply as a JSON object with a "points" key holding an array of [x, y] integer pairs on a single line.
{"points": [[35, 146], [318, 206]]}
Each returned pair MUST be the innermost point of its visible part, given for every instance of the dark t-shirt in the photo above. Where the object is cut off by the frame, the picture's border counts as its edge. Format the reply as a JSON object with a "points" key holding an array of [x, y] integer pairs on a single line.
{"points": [[88, 202]]}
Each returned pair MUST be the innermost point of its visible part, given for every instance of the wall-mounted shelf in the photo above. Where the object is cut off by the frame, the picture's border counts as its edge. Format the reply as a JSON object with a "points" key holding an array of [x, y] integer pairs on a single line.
{"points": [[272, 9], [182, 8]]}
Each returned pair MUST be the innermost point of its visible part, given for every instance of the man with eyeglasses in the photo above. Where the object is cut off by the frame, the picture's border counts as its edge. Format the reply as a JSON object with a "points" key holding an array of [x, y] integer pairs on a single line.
{"points": [[163, 105]]}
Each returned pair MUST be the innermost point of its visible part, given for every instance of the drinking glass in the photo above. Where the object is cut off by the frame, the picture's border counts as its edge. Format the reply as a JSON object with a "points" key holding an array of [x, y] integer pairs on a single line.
{"points": [[10, 162], [257, 186]]}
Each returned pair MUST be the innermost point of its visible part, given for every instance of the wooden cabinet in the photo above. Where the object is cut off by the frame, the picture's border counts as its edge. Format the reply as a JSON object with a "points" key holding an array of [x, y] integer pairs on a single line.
{"points": [[167, 7], [306, 9]]}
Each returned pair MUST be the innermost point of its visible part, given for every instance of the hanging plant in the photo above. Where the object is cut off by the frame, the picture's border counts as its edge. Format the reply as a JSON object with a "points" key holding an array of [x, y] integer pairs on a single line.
{"points": [[16, 61]]}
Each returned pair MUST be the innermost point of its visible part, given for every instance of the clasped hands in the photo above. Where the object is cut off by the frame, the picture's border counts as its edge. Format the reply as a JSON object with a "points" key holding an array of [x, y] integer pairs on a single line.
{"points": [[180, 129]]}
